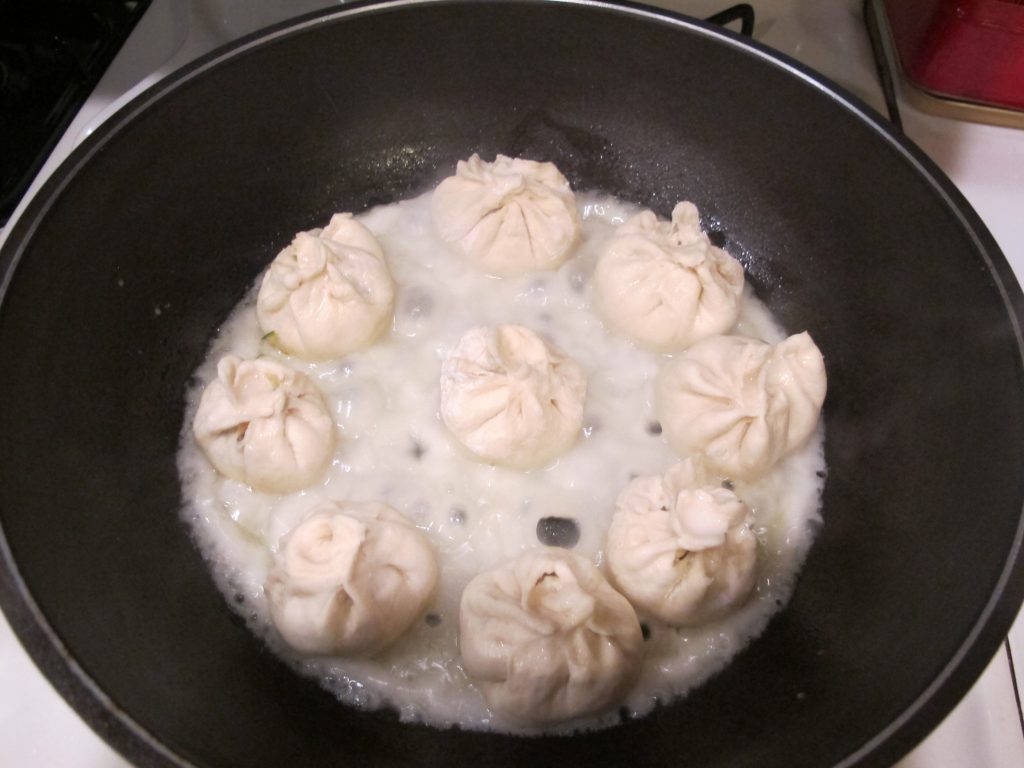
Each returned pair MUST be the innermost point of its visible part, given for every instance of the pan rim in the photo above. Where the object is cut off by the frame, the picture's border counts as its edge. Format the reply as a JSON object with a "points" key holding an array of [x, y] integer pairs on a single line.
{"points": [[136, 743]]}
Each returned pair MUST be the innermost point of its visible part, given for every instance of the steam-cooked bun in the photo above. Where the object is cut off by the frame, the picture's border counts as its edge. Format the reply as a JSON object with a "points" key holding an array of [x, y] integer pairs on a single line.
{"points": [[327, 294], [510, 398], [508, 217], [680, 546], [664, 285], [350, 579], [264, 424], [547, 638], [742, 403]]}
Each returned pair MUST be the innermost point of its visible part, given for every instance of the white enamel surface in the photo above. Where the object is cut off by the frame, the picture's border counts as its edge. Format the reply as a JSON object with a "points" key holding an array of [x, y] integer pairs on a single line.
{"points": [[37, 728]]}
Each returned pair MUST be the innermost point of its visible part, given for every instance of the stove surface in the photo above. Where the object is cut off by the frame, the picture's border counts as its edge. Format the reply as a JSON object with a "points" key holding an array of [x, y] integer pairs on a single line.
{"points": [[52, 54], [37, 728]]}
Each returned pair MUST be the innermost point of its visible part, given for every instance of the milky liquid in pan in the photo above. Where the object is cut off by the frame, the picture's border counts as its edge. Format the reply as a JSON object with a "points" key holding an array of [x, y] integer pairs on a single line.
{"points": [[393, 447]]}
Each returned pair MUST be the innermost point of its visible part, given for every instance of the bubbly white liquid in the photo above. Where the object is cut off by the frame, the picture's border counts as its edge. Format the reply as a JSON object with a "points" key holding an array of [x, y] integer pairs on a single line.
{"points": [[394, 448]]}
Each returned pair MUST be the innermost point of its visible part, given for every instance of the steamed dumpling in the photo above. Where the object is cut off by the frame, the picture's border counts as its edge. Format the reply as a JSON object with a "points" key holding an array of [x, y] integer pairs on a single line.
{"points": [[327, 294], [742, 403], [264, 424], [510, 398], [508, 217], [350, 579], [664, 285], [680, 546], [546, 638]]}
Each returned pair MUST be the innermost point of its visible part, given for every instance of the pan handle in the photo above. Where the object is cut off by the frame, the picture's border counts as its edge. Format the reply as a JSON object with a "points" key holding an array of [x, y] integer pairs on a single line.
{"points": [[743, 12]]}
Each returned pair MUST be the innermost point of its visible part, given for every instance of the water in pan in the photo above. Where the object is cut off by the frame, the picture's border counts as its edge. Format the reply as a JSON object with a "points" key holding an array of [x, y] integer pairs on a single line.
{"points": [[394, 448]]}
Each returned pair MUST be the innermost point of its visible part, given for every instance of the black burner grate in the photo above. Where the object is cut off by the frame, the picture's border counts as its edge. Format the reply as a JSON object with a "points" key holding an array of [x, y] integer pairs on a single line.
{"points": [[52, 54]]}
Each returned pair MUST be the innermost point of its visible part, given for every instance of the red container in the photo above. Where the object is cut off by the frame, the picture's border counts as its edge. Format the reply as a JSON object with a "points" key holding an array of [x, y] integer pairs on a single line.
{"points": [[970, 50]]}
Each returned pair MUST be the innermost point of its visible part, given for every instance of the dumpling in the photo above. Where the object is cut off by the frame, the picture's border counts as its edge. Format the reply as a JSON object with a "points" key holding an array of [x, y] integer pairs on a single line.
{"points": [[264, 424], [664, 285], [742, 403], [680, 546], [508, 217], [510, 398], [350, 579], [327, 294], [546, 638]]}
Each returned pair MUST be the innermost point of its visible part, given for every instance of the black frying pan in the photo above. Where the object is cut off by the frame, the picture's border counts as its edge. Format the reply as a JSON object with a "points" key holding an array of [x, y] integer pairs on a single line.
{"points": [[183, 197]]}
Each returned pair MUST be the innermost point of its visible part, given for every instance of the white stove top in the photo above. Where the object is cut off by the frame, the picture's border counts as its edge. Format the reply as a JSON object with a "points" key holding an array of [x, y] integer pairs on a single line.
{"points": [[986, 730]]}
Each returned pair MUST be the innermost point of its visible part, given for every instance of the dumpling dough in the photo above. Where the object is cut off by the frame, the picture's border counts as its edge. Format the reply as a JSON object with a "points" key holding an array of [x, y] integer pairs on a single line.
{"points": [[350, 579], [680, 546], [742, 403], [547, 638], [510, 398], [264, 424], [508, 217], [664, 285], [327, 294]]}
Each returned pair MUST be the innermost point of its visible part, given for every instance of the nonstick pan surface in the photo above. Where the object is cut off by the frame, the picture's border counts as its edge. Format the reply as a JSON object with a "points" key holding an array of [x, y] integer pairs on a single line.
{"points": [[181, 199]]}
